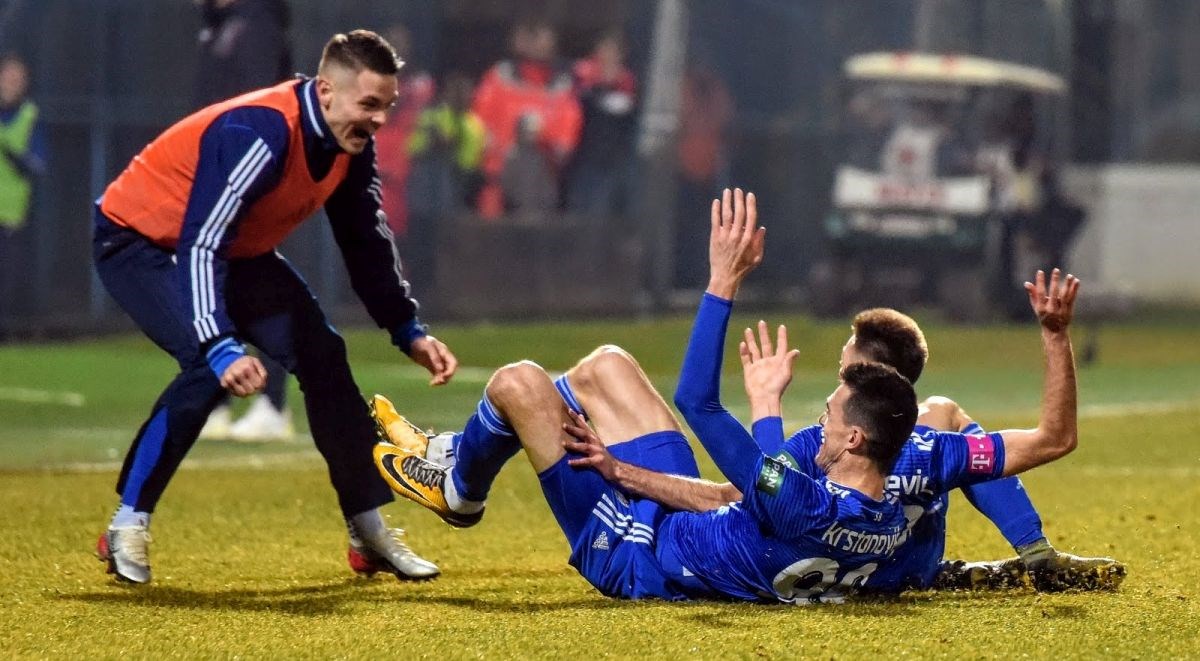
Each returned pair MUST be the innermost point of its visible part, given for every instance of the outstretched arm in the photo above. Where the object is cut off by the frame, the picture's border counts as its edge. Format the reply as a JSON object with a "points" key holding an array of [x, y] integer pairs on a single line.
{"points": [[673, 491], [1056, 434], [361, 230], [1003, 501], [735, 248]]}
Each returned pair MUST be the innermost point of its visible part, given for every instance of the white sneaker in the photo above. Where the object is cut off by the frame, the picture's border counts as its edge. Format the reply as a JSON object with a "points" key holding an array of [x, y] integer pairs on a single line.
{"points": [[441, 449], [216, 428], [390, 553], [125, 550], [262, 422]]}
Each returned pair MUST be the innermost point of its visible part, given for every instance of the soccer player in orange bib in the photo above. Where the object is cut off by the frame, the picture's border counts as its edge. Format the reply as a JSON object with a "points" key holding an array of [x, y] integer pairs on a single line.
{"points": [[185, 242]]}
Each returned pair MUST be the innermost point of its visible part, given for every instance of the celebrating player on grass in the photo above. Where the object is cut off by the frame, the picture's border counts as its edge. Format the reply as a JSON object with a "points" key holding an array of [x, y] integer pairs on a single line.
{"points": [[643, 525], [886, 336], [185, 241], [644, 441]]}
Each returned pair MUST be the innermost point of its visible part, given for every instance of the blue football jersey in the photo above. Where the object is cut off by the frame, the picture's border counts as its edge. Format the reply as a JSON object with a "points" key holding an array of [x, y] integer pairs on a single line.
{"points": [[930, 465], [793, 538]]}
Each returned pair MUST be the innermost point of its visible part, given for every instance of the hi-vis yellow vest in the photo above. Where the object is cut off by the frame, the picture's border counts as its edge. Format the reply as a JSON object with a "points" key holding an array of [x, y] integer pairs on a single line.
{"points": [[15, 188]]}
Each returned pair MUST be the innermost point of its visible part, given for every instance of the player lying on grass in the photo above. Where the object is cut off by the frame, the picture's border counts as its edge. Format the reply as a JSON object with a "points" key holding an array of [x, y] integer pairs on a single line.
{"points": [[889, 337], [711, 541], [643, 525], [615, 391]]}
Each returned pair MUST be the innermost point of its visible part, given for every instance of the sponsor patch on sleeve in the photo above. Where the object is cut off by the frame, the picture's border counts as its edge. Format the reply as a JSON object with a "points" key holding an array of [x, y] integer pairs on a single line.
{"points": [[770, 478], [981, 455]]}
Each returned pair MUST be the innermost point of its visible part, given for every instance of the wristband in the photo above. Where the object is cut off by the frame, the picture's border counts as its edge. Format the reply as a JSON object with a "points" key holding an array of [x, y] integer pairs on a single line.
{"points": [[222, 354]]}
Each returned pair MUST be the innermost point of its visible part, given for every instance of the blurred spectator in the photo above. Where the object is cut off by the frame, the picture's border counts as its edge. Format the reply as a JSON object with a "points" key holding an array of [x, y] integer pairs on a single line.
{"points": [[446, 149], [706, 109], [607, 90], [243, 46], [529, 183], [417, 90], [533, 85], [867, 129], [22, 160], [925, 144]]}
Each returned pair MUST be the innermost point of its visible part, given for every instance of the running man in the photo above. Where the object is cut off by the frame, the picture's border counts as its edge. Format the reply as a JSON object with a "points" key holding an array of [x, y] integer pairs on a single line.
{"points": [[185, 242]]}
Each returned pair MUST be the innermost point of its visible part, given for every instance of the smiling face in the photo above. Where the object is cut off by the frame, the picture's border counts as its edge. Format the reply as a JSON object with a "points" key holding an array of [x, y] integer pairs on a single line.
{"points": [[355, 104]]}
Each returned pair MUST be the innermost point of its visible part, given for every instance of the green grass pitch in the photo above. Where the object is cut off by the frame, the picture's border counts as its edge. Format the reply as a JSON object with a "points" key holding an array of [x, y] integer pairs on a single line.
{"points": [[249, 551]]}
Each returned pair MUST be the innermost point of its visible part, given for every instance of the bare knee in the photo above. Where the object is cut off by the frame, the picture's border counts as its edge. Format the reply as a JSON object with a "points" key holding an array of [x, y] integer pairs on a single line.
{"points": [[606, 364], [943, 414], [514, 380]]}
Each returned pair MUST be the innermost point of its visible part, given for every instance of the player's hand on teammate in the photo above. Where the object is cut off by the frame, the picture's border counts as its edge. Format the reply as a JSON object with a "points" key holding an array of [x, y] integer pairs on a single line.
{"points": [[244, 376], [433, 354], [593, 453], [735, 243], [766, 370], [1054, 304]]}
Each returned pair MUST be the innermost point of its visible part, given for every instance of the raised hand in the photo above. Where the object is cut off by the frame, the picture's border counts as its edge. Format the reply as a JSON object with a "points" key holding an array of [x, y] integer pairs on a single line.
{"points": [[735, 242], [1054, 305], [766, 370]]}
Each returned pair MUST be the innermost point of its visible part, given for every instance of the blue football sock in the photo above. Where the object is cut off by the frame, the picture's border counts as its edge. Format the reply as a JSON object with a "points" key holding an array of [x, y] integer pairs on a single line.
{"points": [[481, 450], [1006, 503]]}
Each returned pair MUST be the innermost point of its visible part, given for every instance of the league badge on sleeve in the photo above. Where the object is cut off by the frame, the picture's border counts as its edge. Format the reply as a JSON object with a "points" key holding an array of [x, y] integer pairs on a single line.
{"points": [[770, 478]]}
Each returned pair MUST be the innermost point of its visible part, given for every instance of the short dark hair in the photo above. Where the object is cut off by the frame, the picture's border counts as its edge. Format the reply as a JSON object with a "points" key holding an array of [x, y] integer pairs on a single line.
{"points": [[892, 338], [361, 49], [884, 404]]}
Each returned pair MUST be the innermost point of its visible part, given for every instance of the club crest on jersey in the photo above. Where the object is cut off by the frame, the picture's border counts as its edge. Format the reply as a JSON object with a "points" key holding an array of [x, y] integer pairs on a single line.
{"points": [[770, 478]]}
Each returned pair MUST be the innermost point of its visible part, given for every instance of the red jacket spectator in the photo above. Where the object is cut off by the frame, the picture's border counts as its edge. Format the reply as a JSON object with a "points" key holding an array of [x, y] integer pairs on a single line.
{"points": [[417, 90], [530, 85], [706, 108]]}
